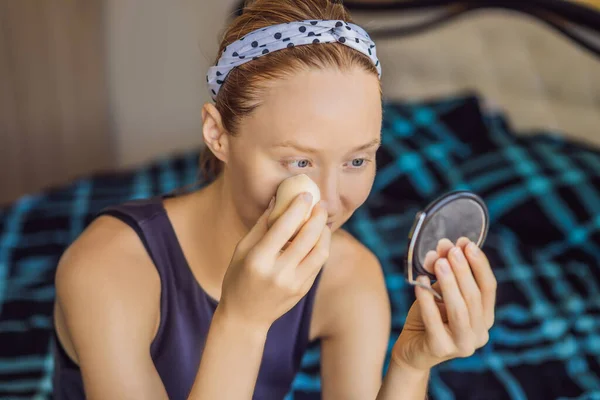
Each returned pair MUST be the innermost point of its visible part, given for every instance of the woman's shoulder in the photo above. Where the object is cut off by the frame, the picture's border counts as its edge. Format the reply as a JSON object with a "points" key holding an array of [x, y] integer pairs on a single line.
{"points": [[350, 261], [352, 277], [108, 249], [106, 277]]}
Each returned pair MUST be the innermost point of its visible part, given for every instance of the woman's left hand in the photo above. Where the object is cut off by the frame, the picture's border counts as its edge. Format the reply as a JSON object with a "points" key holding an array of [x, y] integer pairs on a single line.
{"points": [[437, 331]]}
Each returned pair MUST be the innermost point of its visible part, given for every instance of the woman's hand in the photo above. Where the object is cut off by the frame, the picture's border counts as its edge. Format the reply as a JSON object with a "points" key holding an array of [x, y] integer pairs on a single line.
{"points": [[267, 276], [438, 331], [262, 282]]}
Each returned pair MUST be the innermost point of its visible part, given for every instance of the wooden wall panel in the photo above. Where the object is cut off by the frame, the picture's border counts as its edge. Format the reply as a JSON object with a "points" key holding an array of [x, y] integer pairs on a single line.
{"points": [[54, 119]]}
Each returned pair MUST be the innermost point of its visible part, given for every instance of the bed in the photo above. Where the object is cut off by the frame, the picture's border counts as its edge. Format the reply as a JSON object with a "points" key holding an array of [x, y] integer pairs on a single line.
{"points": [[542, 189]]}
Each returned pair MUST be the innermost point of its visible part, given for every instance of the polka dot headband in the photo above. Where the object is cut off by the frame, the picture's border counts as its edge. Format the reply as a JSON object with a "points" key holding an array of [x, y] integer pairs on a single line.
{"points": [[277, 37]]}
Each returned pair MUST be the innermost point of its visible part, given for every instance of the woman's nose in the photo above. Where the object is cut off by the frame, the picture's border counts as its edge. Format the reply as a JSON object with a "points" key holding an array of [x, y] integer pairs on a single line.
{"points": [[331, 195]]}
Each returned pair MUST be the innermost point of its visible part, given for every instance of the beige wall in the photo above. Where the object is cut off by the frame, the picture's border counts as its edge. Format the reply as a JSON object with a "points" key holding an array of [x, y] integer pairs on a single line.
{"points": [[158, 54]]}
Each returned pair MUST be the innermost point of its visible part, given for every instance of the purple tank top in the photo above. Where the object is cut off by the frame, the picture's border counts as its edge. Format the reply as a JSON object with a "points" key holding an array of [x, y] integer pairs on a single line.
{"points": [[186, 313]]}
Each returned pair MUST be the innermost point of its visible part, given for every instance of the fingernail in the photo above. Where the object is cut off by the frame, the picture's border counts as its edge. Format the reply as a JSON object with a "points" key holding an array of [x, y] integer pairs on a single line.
{"points": [[456, 253], [271, 203], [473, 248], [423, 279], [307, 196], [443, 240], [444, 266]]}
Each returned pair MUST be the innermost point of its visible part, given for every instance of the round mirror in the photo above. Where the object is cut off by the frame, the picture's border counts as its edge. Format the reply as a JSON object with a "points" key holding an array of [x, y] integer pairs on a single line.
{"points": [[450, 216]]}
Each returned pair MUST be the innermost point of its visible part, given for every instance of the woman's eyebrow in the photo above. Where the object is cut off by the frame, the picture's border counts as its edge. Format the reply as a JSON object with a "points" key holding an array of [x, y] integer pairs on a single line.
{"points": [[372, 143], [306, 149]]}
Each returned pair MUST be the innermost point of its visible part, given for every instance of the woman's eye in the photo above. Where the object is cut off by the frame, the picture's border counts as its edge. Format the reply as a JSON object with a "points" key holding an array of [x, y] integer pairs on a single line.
{"points": [[358, 162], [300, 163]]}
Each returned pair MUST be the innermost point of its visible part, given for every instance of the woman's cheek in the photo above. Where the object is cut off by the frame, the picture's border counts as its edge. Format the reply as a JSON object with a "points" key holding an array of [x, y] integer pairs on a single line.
{"points": [[356, 189], [252, 190], [262, 187]]}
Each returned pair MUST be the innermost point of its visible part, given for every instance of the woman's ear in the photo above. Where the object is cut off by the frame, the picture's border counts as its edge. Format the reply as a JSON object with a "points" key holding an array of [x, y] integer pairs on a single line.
{"points": [[213, 132]]}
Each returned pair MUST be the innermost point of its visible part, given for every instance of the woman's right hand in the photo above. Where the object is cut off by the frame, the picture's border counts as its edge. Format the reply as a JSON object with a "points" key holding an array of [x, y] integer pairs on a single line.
{"points": [[264, 280]]}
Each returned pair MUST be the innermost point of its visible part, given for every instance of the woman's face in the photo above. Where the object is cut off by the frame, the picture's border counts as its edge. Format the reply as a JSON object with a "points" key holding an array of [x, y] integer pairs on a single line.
{"points": [[322, 123]]}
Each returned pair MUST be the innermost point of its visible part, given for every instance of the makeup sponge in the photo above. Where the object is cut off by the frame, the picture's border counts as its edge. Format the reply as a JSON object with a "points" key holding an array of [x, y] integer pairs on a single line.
{"points": [[288, 190]]}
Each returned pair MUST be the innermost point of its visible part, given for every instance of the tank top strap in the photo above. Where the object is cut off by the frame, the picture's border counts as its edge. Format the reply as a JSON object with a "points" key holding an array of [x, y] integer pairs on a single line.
{"points": [[148, 218], [303, 340], [182, 299]]}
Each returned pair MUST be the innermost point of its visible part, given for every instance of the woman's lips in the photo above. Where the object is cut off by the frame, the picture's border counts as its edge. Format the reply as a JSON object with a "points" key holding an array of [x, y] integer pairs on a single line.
{"points": [[330, 224]]}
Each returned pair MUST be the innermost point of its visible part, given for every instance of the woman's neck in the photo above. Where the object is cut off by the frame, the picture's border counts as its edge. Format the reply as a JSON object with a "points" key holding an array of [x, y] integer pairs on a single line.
{"points": [[216, 228]]}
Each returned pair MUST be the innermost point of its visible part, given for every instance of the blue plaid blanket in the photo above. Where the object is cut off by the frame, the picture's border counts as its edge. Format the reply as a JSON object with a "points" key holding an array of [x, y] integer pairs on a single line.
{"points": [[543, 194]]}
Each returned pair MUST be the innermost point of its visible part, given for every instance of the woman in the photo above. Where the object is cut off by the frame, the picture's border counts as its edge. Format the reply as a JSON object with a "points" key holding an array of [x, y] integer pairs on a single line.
{"points": [[195, 297]]}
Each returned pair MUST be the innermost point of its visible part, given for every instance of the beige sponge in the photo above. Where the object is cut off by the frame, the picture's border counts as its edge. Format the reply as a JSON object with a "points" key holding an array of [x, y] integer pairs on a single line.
{"points": [[288, 190]]}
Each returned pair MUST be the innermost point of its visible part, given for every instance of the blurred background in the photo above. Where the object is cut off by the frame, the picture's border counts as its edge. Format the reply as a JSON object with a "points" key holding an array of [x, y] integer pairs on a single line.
{"points": [[108, 84], [100, 104]]}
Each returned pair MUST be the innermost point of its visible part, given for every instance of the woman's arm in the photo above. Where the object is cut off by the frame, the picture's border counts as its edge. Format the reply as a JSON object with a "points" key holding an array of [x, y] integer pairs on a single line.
{"points": [[353, 349], [231, 359], [433, 333], [352, 319], [403, 382], [107, 313], [107, 303]]}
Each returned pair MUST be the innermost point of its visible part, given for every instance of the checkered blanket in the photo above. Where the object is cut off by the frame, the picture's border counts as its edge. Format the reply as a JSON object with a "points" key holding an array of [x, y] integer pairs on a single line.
{"points": [[543, 194]]}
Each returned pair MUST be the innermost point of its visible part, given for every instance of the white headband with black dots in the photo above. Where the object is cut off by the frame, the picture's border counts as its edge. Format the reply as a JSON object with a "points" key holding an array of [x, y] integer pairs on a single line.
{"points": [[277, 37]]}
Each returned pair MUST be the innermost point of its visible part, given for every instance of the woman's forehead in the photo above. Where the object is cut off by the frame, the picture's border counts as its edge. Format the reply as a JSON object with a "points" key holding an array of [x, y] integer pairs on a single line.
{"points": [[315, 103], [328, 90]]}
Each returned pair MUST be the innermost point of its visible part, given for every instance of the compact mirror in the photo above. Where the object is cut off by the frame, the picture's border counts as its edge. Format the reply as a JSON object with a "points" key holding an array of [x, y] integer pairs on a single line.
{"points": [[451, 216]]}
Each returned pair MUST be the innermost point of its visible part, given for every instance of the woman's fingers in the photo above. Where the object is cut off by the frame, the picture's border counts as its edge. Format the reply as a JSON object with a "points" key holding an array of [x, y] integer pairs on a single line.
{"points": [[432, 318], [257, 232], [486, 281], [444, 245], [470, 292], [430, 259], [468, 286], [306, 238], [462, 242], [307, 270], [285, 226], [456, 308], [484, 277]]}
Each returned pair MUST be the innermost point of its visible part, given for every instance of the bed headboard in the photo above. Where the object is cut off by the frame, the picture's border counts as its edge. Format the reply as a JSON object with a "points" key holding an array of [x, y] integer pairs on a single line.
{"points": [[577, 20], [539, 60]]}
